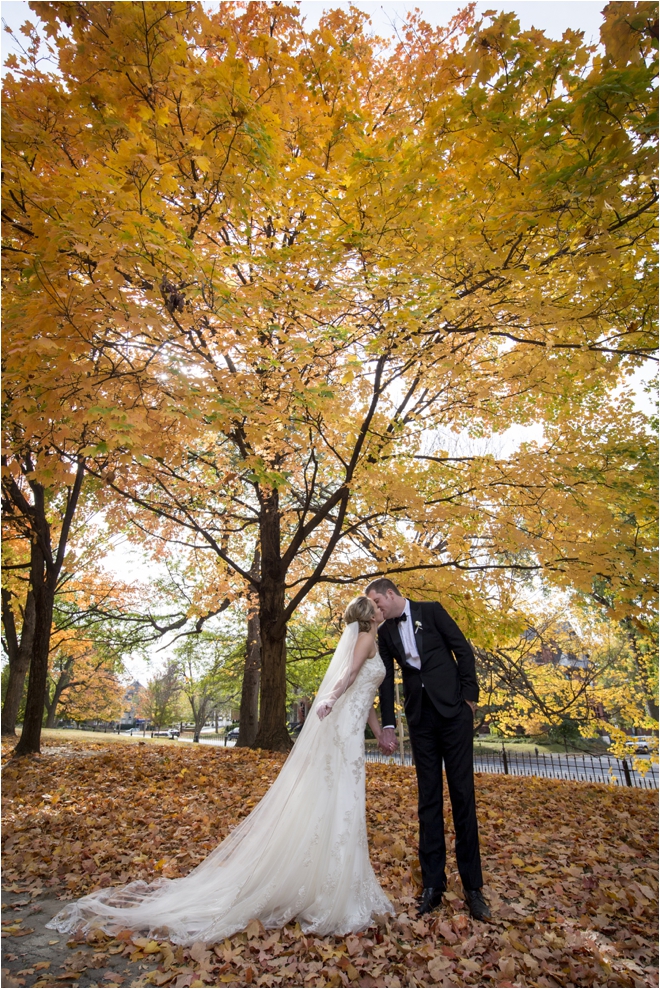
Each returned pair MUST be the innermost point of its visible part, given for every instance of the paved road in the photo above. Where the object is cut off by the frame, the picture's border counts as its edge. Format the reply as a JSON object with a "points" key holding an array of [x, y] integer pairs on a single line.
{"points": [[205, 739], [28, 944], [210, 740]]}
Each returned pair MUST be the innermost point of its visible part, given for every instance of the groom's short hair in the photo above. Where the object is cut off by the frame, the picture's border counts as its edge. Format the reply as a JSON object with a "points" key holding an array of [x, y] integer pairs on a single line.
{"points": [[381, 585]]}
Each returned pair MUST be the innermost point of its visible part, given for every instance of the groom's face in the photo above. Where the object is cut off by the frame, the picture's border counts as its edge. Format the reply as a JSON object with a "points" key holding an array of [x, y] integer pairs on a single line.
{"points": [[390, 604]]}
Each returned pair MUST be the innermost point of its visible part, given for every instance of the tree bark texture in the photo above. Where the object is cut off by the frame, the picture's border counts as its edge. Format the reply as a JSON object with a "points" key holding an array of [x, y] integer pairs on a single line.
{"points": [[63, 681], [200, 710], [249, 715], [45, 568], [19, 654], [197, 713], [272, 733], [44, 582]]}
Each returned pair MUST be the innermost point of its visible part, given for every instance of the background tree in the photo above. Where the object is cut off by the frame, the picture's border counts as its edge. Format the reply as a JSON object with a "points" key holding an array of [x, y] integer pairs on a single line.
{"points": [[312, 638], [18, 612], [643, 650], [42, 521], [206, 675], [623, 694], [571, 674], [17, 645], [63, 401], [83, 590], [84, 675], [83, 684], [160, 703]]}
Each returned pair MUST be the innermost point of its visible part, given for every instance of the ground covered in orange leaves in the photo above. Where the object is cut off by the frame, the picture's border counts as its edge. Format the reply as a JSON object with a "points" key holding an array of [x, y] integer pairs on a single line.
{"points": [[570, 872]]}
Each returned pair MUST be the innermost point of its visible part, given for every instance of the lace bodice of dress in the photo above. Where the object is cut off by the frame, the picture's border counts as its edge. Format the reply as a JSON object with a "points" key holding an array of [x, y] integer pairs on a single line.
{"points": [[360, 695]]}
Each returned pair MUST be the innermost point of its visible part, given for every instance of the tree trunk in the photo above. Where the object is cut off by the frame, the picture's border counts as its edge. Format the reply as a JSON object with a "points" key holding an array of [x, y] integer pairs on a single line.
{"points": [[650, 703], [43, 586], [249, 716], [44, 572], [249, 713], [50, 708], [197, 713], [60, 687], [19, 655], [204, 708], [272, 733]]}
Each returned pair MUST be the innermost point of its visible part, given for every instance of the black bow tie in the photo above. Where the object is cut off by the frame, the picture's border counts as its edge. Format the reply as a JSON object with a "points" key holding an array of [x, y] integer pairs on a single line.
{"points": [[401, 618]]}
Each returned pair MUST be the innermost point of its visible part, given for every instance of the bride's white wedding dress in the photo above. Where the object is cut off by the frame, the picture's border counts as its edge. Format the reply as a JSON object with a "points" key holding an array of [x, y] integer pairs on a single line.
{"points": [[300, 855]]}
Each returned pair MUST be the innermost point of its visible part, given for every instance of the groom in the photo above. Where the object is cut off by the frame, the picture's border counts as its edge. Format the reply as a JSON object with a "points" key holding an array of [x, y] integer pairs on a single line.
{"points": [[440, 698]]}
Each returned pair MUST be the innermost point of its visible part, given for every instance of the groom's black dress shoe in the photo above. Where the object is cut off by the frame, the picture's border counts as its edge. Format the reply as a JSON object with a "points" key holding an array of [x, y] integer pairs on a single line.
{"points": [[430, 899], [476, 904]]}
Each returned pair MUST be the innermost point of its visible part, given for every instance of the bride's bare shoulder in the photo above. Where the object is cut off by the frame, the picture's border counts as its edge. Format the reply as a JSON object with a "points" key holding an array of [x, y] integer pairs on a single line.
{"points": [[366, 645]]}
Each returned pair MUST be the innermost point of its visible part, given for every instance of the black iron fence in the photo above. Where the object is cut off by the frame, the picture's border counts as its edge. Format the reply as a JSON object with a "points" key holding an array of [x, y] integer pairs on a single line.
{"points": [[579, 766]]}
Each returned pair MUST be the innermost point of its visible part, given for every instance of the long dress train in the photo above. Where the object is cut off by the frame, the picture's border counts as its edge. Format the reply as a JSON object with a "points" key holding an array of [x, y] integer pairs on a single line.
{"points": [[301, 854]]}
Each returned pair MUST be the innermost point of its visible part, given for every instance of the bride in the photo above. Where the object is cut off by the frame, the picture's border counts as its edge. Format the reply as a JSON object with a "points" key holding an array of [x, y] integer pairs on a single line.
{"points": [[302, 853]]}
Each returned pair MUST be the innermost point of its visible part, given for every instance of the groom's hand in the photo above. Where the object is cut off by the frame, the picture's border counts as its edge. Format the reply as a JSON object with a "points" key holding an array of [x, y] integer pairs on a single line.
{"points": [[473, 707], [387, 741]]}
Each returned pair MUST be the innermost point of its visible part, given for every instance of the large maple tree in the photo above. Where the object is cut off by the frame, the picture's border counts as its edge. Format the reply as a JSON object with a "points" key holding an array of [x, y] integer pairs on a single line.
{"points": [[320, 252]]}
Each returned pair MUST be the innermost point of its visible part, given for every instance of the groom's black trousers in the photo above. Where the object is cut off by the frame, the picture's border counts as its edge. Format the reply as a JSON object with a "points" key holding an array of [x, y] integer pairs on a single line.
{"points": [[436, 739]]}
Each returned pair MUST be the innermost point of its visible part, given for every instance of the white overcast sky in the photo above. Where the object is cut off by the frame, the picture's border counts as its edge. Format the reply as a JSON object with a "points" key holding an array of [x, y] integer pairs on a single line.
{"points": [[551, 16]]}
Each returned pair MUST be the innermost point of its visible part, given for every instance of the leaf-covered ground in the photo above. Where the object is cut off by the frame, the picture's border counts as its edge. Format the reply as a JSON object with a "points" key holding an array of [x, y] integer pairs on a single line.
{"points": [[570, 871]]}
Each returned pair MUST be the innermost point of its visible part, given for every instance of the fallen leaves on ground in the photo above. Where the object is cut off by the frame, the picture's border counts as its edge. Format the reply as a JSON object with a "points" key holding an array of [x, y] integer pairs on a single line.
{"points": [[569, 869]]}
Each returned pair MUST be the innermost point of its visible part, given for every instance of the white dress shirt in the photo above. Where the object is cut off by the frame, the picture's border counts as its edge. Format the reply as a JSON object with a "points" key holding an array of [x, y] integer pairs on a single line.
{"points": [[407, 633]]}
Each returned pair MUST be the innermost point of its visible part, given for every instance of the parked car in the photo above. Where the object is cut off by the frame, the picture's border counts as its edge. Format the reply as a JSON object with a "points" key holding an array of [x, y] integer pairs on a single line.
{"points": [[169, 733], [232, 734], [640, 745]]}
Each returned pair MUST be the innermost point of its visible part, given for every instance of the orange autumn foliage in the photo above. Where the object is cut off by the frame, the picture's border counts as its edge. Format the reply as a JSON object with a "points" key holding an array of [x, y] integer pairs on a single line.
{"points": [[256, 276]]}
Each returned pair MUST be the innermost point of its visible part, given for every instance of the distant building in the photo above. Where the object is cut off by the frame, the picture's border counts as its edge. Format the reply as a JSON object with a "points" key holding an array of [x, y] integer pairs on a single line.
{"points": [[131, 701], [299, 709], [574, 662], [559, 655]]}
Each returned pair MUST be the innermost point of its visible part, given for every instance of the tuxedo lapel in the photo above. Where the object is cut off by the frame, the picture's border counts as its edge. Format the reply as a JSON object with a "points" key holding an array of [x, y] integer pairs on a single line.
{"points": [[396, 640], [416, 616]]}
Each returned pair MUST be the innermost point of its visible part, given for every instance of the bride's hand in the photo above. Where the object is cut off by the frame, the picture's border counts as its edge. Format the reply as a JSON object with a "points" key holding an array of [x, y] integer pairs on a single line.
{"points": [[324, 709]]}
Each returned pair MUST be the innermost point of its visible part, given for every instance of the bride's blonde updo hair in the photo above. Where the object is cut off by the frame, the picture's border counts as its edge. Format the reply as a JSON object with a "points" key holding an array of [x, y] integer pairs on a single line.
{"points": [[360, 610]]}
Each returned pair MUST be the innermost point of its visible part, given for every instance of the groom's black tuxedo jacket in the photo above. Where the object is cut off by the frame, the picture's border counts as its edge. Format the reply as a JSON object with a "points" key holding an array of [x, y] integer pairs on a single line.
{"points": [[447, 674]]}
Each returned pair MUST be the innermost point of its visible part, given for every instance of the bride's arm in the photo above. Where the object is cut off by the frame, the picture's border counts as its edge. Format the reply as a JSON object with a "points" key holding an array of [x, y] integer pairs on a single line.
{"points": [[374, 723], [363, 649]]}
